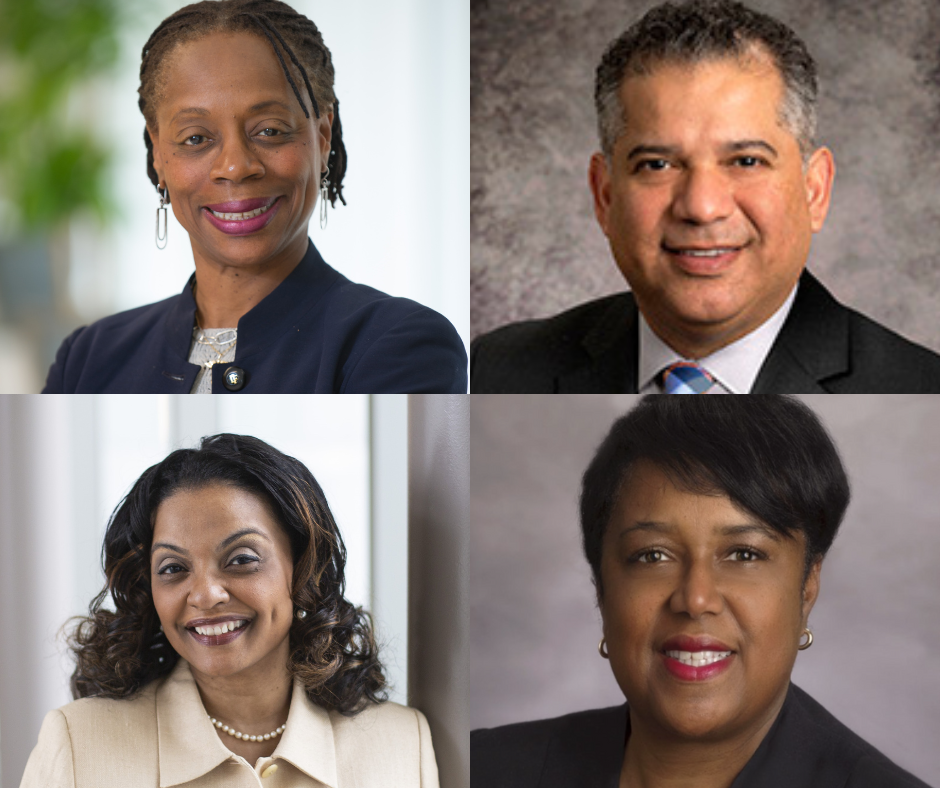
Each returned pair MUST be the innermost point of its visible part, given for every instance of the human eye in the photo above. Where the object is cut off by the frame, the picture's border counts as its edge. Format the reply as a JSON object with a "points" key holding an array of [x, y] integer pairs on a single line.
{"points": [[747, 554], [651, 165], [651, 555], [749, 162], [274, 132], [170, 569], [189, 141], [248, 559]]}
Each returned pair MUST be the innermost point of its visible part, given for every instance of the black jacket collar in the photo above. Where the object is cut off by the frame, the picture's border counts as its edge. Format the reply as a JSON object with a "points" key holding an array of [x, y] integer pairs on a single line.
{"points": [[813, 345], [261, 326]]}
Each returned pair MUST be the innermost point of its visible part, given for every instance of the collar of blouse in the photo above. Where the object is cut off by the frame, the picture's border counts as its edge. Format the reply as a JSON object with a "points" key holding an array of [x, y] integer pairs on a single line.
{"points": [[189, 746]]}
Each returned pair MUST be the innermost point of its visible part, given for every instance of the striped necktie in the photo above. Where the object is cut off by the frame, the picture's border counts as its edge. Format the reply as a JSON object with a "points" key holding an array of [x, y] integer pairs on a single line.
{"points": [[684, 377]]}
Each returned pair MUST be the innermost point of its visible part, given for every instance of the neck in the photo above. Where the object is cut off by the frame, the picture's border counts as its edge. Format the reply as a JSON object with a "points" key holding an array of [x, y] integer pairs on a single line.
{"points": [[656, 760], [693, 343], [226, 291], [698, 340], [253, 701]]}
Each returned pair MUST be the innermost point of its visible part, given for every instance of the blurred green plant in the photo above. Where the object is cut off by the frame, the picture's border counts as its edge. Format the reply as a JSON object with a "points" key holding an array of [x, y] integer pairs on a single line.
{"points": [[51, 167]]}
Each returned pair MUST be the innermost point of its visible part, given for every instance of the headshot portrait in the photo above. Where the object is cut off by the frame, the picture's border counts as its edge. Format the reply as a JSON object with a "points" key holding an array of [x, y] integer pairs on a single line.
{"points": [[719, 593], [254, 617], [266, 215], [705, 194]]}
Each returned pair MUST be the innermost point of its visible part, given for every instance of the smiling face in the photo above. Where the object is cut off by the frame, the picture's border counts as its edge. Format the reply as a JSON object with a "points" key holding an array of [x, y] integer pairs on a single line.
{"points": [[232, 138], [688, 572], [220, 558], [706, 203]]}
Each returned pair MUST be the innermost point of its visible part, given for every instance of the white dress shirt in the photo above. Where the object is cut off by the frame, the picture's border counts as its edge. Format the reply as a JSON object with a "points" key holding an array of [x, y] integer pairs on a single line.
{"points": [[733, 367]]}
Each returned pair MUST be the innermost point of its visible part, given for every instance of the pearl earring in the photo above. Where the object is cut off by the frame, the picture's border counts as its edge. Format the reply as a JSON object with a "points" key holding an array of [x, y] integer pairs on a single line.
{"points": [[301, 615]]}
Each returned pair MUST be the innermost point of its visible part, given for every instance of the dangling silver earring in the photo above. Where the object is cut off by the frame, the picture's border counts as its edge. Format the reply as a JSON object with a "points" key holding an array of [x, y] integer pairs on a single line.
{"points": [[324, 184], [164, 200]]}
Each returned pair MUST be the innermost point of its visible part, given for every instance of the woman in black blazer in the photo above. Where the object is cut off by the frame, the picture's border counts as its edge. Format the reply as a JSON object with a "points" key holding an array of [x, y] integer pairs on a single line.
{"points": [[705, 522], [243, 139]]}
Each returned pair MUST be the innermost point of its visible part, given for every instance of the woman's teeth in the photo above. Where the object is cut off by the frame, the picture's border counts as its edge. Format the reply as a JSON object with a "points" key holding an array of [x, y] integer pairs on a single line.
{"points": [[229, 626], [698, 658], [238, 217]]}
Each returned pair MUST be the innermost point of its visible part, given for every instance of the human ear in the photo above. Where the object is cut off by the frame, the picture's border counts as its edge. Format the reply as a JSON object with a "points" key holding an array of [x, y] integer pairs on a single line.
{"points": [[157, 163], [325, 133], [819, 175], [599, 180], [811, 589]]}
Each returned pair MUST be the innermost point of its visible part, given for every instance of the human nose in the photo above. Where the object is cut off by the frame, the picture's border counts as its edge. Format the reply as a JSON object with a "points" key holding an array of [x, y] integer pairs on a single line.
{"points": [[704, 196], [236, 161], [697, 593], [206, 591]]}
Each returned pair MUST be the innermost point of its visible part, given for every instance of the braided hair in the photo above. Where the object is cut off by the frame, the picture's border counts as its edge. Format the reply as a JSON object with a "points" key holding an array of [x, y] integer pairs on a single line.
{"points": [[284, 28]]}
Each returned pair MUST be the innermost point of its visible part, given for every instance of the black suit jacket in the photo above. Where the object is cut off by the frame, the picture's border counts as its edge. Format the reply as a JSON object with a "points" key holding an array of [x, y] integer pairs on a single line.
{"points": [[823, 348], [805, 748], [317, 332]]}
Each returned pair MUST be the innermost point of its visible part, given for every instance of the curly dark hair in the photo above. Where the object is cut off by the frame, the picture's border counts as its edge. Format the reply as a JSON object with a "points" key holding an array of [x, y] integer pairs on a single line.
{"points": [[332, 650], [277, 23]]}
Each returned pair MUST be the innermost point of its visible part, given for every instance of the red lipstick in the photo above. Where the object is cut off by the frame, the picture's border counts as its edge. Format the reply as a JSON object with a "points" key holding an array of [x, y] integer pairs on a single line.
{"points": [[677, 652]]}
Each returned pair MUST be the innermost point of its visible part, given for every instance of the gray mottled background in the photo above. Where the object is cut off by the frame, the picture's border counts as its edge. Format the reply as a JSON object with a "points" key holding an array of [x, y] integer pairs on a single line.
{"points": [[534, 628], [535, 246]]}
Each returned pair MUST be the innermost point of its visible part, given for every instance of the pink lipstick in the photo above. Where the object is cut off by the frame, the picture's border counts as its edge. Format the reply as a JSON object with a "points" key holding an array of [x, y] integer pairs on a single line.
{"points": [[208, 638], [242, 217]]}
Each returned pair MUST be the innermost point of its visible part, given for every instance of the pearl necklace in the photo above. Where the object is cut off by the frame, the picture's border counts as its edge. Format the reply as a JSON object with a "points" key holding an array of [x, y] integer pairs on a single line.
{"points": [[244, 736]]}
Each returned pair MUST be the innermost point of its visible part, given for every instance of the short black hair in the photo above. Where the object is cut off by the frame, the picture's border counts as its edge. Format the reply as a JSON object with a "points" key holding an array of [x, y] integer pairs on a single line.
{"points": [[695, 31], [769, 453]]}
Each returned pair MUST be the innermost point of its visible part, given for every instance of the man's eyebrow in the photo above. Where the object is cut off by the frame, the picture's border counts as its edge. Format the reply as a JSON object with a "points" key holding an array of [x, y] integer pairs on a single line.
{"points": [[739, 145], [726, 530], [652, 150], [222, 545], [730, 147]]}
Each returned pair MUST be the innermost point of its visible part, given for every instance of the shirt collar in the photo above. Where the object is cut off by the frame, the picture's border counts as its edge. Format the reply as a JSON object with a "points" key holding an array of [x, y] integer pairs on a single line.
{"points": [[734, 366], [189, 747]]}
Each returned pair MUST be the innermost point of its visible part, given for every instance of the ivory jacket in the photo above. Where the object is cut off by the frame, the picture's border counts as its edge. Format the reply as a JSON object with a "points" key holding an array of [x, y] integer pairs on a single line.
{"points": [[163, 737]]}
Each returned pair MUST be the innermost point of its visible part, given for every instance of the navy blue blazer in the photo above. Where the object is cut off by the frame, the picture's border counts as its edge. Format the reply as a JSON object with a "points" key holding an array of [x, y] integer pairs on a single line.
{"points": [[806, 747], [317, 332]]}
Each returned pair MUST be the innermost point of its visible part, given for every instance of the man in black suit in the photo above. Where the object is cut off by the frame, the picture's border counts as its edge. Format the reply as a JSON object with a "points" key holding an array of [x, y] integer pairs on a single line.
{"points": [[709, 188]]}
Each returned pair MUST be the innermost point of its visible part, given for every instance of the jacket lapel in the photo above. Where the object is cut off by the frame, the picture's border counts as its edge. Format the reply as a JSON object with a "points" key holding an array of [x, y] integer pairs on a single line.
{"points": [[812, 346], [188, 745], [587, 750], [611, 349]]}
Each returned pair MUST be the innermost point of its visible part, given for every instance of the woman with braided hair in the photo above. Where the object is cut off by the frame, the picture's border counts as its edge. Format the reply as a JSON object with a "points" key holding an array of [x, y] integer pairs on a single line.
{"points": [[231, 656], [243, 139]]}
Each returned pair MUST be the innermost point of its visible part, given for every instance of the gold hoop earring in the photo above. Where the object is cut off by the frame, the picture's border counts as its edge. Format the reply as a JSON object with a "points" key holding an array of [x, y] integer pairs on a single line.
{"points": [[809, 640], [602, 650]]}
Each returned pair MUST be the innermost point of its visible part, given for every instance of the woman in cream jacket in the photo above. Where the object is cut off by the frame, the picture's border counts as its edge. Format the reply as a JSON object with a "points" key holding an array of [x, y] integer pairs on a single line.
{"points": [[232, 657]]}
